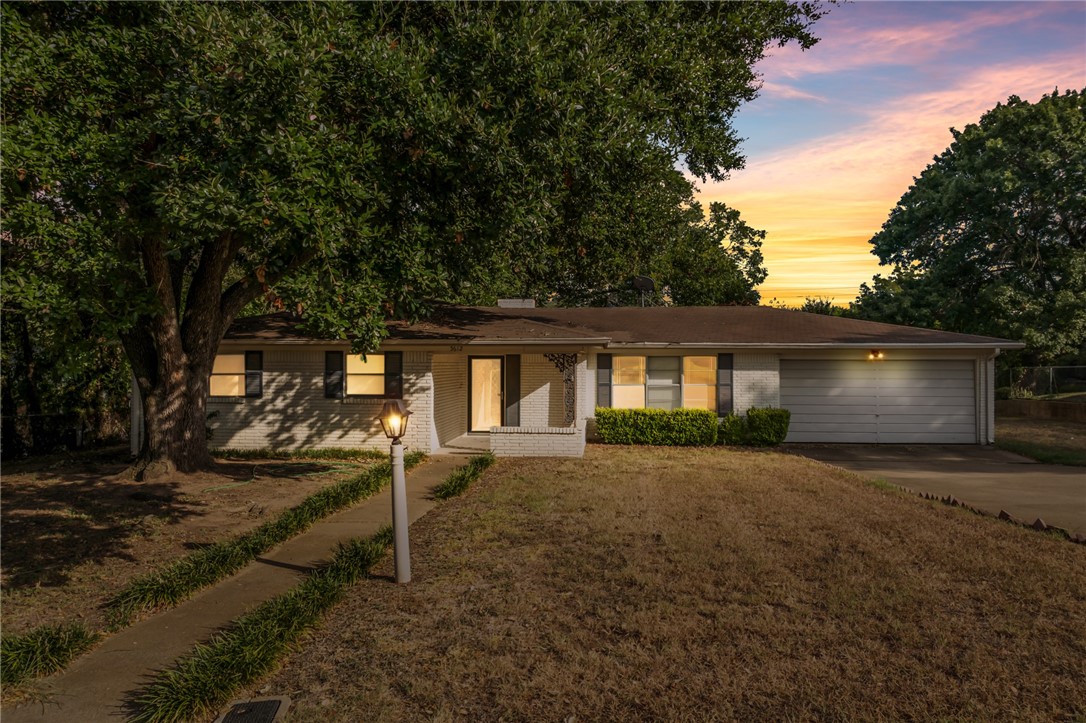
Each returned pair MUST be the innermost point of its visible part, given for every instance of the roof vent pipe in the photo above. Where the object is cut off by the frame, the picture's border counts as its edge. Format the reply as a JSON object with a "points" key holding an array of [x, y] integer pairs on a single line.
{"points": [[516, 303]]}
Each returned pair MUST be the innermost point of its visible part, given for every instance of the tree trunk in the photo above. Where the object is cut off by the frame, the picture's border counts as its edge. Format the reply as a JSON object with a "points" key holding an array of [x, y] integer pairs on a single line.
{"points": [[175, 424]]}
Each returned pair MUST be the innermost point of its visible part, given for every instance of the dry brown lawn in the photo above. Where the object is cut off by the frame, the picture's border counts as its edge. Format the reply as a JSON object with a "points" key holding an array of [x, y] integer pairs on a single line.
{"points": [[1048, 440], [74, 532], [702, 585]]}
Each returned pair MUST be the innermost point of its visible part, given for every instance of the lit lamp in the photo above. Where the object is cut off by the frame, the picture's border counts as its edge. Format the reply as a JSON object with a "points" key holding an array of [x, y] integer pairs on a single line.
{"points": [[874, 355], [393, 419]]}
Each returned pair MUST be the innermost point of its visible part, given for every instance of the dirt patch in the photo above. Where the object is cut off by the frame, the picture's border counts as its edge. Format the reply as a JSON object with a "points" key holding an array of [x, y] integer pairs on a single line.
{"points": [[74, 532], [662, 584]]}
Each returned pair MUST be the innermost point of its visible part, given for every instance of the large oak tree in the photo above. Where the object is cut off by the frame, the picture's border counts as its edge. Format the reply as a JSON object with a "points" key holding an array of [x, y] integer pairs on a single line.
{"points": [[166, 165], [991, 237]]}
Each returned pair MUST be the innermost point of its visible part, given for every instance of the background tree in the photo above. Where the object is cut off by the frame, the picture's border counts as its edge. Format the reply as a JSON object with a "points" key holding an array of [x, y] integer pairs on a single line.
{"points": [[177, 162], [991, 238], [823, 305]]}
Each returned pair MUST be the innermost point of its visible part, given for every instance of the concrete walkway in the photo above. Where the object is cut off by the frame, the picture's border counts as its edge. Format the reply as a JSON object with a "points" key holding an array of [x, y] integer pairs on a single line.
{"points": [[987, 478], [96, 686]]}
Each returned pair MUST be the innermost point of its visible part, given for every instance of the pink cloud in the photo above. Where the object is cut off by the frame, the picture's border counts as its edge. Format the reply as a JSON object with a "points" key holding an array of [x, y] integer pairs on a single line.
{"points": [[821, 200], [857, 45], [782, 90]]}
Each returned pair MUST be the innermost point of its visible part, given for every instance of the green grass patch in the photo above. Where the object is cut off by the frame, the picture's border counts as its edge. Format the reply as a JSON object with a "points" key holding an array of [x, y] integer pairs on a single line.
{"points": [[177, 581], [202, 682], [462, 477], [1044, 453], [334, 453], [881, 484], [42, 651]]}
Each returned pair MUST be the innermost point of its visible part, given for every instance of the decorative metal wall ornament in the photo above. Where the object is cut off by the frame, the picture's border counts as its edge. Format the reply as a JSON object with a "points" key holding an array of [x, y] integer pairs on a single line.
{"points": [[566, 364]]}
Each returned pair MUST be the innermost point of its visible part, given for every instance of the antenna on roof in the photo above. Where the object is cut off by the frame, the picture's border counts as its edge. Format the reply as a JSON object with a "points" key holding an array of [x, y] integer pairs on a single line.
{"points": [[643, 284]]}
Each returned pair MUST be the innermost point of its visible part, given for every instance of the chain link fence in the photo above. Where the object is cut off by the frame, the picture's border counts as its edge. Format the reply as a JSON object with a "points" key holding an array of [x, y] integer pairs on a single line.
{"points": [[1029, 382]]}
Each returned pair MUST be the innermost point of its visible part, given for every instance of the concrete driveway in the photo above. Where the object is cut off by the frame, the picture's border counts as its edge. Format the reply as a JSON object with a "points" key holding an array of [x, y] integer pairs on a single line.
{"points": [[987, 478]]}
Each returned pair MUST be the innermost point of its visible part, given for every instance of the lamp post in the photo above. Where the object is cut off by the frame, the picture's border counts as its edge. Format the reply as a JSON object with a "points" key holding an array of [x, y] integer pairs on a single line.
{"points": [[393, 419]]}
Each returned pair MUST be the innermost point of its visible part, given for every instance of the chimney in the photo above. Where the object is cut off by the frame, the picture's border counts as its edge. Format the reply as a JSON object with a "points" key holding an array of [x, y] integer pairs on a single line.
{"points": [[516, 303]]}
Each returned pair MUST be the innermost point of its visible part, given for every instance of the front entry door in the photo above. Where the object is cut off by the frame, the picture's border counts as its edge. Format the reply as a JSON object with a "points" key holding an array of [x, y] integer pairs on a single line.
{"points": [[485, 393]]}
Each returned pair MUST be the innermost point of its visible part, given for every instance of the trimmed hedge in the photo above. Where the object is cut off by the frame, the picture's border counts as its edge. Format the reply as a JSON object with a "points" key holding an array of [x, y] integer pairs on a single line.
{"points": [[760, 428], [767, 427], [677, 427], [732, 430]]}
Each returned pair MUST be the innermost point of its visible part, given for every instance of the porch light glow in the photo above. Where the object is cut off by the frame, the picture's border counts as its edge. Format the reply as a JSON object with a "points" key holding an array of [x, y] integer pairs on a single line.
{"points": [[393, 418], [874, 355]]}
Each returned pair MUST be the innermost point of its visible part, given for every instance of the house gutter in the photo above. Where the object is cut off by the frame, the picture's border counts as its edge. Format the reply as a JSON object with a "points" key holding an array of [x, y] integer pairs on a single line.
{"points": [[820, 345]]}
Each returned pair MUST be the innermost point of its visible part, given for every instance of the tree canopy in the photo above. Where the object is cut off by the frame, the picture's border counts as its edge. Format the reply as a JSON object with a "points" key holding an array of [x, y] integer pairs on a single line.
{"points": [[169, 164], [991, 237]]}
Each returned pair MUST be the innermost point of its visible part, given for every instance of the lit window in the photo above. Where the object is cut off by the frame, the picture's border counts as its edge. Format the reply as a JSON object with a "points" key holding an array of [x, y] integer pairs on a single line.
{"points": [[240, 374], [662, 376], [228, 376], [366, 376], [699, 382], [628, 379]]}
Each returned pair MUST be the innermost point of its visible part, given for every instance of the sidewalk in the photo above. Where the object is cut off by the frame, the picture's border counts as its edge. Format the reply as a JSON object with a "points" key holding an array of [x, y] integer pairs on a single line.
{"points": [[95, 686]]}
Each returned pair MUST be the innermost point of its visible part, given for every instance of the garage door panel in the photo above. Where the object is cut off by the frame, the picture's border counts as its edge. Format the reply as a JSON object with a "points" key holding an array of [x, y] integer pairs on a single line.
{"points": [[888, 402], [822, 387], [933, 411], [942, 425], [950, 399], [842, 410], [926, 438], [833, 437], [903, 386], [832, 427]]}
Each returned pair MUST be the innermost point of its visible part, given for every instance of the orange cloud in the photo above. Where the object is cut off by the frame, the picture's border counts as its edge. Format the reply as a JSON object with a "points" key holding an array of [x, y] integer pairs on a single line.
{"points": [[822, 200]]}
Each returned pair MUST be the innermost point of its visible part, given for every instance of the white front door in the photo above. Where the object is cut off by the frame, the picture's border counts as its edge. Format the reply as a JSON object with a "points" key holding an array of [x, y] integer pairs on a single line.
{"points": [[485, 395]]}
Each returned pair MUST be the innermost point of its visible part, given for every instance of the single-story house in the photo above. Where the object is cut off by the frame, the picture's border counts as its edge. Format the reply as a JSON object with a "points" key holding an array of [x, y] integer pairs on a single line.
{"points": [[521, 380]]}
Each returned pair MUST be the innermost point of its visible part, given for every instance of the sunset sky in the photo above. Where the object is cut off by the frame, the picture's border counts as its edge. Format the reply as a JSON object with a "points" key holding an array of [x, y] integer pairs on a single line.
{"points": [[840, 131]]}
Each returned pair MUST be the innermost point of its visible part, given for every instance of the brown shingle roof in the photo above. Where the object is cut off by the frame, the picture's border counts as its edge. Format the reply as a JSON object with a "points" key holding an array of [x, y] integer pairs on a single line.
{"points": [[708, 325]]}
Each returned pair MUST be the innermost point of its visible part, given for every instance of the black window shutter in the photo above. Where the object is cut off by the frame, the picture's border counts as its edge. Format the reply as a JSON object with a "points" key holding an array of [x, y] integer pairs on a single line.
{"points": [[394, 374], [512, 390], [254, 373], [603, 380], [333, 374], [724, 364]]}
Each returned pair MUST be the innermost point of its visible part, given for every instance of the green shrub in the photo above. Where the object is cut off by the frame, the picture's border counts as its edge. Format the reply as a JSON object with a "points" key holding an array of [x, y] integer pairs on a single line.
{"points": [[1003, 393], [732, 430], [326, 453], [178, 580], [461, 477], [216, 671], [767, 427], [677, 427], [42, 651]]}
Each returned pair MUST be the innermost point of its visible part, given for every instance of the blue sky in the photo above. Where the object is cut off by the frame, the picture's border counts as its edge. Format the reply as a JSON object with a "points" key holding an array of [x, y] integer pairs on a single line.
{"points": [[840, 130]]}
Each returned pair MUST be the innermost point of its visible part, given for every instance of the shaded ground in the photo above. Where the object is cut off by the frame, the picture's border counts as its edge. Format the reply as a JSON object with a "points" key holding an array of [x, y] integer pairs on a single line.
{"points": [[667, 584], [1047, 440], [74, 533]]}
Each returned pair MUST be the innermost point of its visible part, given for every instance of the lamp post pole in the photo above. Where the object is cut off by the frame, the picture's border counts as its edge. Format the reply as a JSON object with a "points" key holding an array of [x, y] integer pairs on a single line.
{"points": [[401, 546], [393, 419]]}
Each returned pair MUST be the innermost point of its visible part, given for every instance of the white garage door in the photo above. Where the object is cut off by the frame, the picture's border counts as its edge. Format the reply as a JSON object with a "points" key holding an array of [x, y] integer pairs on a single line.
{"points": [[919, 402]]}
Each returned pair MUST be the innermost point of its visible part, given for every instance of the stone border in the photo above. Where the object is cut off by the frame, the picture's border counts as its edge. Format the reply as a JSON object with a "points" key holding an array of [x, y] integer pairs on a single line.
{"points": [[1079, 538]]}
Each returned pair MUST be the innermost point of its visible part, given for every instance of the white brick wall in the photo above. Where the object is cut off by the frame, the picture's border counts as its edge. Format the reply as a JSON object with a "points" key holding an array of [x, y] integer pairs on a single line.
{"points": [[756, 381], [541, 395], [293, 413], [537, 441]]}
